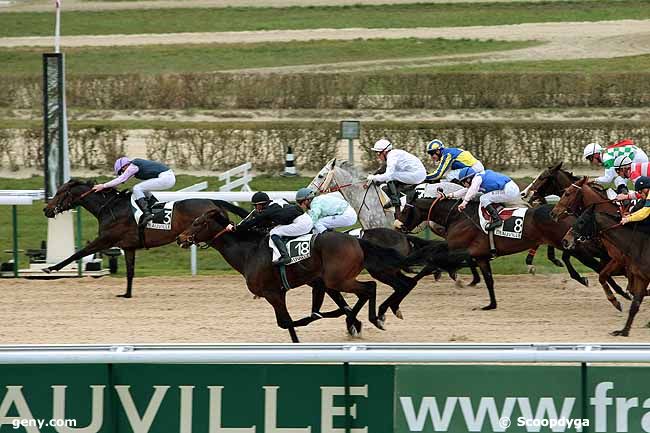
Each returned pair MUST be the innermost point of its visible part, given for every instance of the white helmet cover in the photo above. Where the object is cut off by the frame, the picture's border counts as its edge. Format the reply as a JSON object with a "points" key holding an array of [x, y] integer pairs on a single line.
{"points": [[591, 149], [622, 161], [382, 145]]}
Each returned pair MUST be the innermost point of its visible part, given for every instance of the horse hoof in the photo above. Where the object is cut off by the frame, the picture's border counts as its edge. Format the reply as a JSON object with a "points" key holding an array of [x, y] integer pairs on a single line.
{"points": [[627, 296], [437, 276], [126, 296], [584, 281], [532, 269], [381, 318], [617, 305], [488, 307], [47, 270], [621, 333], [399, 314], [379, 324]]}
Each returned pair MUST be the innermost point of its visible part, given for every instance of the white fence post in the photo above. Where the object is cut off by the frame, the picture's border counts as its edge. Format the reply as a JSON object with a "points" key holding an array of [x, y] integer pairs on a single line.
{"points": [[193, 257]]}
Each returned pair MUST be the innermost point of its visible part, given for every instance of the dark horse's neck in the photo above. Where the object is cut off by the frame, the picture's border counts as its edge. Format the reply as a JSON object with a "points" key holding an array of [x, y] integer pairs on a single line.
{"points": [[238, 249], [445, 212], [102, 204], [564, 180]]}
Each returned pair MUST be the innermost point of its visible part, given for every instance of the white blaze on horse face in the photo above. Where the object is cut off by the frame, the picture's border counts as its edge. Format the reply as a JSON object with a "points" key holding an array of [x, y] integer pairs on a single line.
{"points": [[525, 192]]}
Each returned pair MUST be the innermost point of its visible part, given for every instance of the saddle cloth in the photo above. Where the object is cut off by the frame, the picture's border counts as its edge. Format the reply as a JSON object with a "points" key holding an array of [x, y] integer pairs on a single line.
{"points": [[299, 248], [162, 213], [513, 221]]}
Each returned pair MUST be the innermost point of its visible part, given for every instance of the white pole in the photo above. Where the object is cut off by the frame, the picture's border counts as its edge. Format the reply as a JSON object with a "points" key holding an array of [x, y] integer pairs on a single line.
{"points": [[57, 29], [193, 259]]}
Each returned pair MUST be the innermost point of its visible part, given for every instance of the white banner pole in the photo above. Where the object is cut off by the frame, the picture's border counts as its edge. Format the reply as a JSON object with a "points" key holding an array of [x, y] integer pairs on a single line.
{"points": [[57, 29]]}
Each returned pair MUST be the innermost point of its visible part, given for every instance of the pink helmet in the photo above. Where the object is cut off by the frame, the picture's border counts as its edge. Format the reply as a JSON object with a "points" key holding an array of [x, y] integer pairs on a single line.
{"points": [[120, 163]]}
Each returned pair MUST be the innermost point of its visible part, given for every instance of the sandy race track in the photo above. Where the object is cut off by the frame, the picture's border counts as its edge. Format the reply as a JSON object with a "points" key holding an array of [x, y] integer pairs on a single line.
{"points": [[542, 308]]}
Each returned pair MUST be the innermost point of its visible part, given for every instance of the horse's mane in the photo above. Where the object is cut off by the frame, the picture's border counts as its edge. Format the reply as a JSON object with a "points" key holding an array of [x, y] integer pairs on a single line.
{"points": [[78, 181], [245, 236], [240, 212], [598, 187]]}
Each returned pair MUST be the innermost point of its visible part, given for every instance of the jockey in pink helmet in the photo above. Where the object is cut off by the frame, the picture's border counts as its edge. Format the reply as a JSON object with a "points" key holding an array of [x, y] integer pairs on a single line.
{"points": [[155, 176]]}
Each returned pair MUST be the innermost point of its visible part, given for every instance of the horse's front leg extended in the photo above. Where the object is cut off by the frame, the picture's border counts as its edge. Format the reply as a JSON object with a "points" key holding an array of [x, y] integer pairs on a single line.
{"points": [[277, 299], [129, 259], [93, 247]]}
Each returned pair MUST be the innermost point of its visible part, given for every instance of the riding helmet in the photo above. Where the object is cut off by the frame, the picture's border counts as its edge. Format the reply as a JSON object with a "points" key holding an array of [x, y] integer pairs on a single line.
{"points": [[591, 149], [434, 145], [622, 161], [120, 163], [382, 145], [260, 198], [466, 173], [641, 183], [305, 194]]}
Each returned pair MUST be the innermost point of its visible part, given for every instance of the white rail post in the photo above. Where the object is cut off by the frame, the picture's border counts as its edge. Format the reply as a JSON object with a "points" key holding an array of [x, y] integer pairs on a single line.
{"points": [[193, 257]]}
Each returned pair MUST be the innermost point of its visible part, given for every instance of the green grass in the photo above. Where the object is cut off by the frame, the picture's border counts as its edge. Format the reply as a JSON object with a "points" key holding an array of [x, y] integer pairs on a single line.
{"points": [[170, 259], [588, 66], [160, 59], [368, 16]]}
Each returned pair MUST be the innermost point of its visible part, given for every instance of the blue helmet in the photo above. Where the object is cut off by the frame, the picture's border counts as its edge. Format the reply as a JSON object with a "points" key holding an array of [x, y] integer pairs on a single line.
{"points": [[466, 173], [641, 183], [434, 145], [305, 194]]}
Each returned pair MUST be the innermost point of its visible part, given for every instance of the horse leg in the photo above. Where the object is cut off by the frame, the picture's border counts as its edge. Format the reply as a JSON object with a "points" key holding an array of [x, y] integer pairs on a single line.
{"points": [[638, 287], [486, 270], [475, 277], [550, 255], [566, 258], [529, 260], [93, 247], [129, 259], [278, 301], [318, 295], [604, 276], [401, 285]]}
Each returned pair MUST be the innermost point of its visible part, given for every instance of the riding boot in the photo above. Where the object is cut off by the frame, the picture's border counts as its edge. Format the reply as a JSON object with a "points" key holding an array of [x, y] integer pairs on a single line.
{"points": [[146, 212], [496, 219], [282, 248], [393, 194]]}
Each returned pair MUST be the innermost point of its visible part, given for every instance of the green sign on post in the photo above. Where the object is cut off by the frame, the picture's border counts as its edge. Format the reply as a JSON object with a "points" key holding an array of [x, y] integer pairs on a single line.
{"points": [[350, 130]]}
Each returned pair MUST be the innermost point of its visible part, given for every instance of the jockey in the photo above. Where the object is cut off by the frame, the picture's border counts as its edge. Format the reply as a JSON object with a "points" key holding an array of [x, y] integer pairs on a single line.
{"points": [[496, 188], [287, 220], [627, 169], [155, 175], [596, 155], [450, 161], [402, 169], [327, 211], [642, 186]]}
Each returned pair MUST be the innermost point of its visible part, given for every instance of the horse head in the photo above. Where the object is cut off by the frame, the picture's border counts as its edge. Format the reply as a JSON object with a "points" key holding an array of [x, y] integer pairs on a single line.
{"points": [[204, 228], [67, 197], [413, 213], [552, 181]]}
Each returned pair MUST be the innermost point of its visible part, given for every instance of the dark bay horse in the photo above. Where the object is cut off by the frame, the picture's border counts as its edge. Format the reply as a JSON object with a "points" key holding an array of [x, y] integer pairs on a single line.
{"points": [[576, 198], [336, 260], [628, 245], [117, 227], [463, 232], [554, 181]]}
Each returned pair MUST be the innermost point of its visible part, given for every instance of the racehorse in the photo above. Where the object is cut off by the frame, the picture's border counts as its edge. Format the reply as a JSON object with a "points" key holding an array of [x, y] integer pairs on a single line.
{"points": [[117, 226], [336, 260], [626, 244], [576, 198], [555, 181], [464, 232]]}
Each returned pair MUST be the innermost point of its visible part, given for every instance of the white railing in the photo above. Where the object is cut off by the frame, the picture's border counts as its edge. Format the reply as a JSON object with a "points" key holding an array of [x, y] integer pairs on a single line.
{"points": [[240, 171], [326, 353]]}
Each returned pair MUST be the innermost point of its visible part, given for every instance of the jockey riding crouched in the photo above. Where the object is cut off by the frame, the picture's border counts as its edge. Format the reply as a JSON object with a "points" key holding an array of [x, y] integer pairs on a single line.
{"points": [[642, 187], [627, 169], [287, 220], [496, 188], [155, 176], [606, 157], [328, 211], [402, 169], [450, 161]]}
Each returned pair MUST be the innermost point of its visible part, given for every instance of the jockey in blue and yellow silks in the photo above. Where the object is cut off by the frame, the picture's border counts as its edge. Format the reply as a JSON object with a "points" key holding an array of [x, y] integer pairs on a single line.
{"points": [[451, 161]]}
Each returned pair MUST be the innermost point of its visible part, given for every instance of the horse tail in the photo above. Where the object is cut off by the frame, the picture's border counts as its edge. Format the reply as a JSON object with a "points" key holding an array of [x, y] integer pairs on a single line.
{"points": [[380, 258], [438, 255], [240, 212], [417, 242]]}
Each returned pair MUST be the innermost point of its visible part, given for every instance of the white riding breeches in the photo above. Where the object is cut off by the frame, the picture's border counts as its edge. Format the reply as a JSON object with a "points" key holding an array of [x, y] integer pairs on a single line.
{"points": [[510, 192], [410, 178], [300, 226], [453, 174], [346, 219], [165, 180]]}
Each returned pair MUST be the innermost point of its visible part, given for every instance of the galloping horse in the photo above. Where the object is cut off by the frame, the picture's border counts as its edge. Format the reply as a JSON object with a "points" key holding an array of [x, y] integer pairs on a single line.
{"points": [[555, 181], [627, 245], [576, 198], [117, 227], [336, 260], [463, 232]]}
